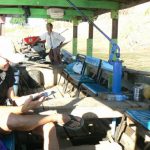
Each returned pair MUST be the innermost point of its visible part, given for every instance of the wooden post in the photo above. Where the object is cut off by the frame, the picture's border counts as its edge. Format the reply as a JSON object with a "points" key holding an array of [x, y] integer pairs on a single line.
{"points": [[90, 40], [2, 21], [75, 35], [114, 16], [0, 29]]}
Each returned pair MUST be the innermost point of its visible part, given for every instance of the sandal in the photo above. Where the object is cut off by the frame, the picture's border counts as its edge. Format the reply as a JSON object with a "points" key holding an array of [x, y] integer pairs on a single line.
{"points": [[74, 123]]}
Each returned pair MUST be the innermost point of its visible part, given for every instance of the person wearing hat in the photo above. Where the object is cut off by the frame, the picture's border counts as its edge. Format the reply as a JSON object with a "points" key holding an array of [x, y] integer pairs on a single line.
{"points": [[7, 57], [13, 118], [54, 42], [17, 118]]}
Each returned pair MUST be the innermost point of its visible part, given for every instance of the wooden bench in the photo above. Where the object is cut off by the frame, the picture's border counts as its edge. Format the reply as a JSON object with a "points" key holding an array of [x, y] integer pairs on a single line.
{"points": [[68, 70], [134, 130]]}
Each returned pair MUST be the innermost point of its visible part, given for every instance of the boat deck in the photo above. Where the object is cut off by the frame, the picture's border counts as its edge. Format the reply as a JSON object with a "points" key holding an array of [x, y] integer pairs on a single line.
{"points": [[93, 110], [79, 106]]}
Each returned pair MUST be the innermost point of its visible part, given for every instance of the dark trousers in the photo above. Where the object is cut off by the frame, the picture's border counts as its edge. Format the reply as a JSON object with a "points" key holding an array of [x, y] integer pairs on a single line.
{"points": [[54, 56]]}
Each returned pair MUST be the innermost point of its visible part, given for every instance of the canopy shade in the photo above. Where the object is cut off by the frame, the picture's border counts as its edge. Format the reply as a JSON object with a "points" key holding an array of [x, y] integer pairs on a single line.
{"points": [[38, 8]]}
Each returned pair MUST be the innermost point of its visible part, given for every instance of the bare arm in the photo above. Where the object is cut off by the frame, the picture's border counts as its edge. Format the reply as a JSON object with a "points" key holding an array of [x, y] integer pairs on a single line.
{"points": [[28, 105], [11, 93], [19, 100], [11, 109], [16, 100]]}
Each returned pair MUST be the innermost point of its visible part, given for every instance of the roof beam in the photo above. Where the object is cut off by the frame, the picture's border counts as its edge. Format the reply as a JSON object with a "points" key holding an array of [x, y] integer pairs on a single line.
{"points": [[63, 3], [41, 13]]}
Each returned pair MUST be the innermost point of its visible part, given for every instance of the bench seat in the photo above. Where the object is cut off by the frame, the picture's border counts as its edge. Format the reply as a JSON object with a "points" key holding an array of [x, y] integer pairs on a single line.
{"points": [[89, 73], [94, 88], [69, 69], [78, 79], [141, 116]]}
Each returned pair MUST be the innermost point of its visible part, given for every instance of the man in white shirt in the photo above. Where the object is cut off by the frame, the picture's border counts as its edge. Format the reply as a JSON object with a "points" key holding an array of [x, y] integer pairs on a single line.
{"points": [[54, 42]]}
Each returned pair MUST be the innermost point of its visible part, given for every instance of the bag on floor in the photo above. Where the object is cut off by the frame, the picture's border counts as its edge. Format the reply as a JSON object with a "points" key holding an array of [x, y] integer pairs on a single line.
{"points": [[77, 68]]}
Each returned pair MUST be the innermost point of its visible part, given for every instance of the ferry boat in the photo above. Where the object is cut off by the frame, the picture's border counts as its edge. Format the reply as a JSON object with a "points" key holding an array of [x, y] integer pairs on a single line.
{"points": [[115, 109]]}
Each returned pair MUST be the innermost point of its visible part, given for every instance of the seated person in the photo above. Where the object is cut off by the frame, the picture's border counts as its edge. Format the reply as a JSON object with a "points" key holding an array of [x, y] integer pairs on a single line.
{"points": [[7, 76], [13, 118]]}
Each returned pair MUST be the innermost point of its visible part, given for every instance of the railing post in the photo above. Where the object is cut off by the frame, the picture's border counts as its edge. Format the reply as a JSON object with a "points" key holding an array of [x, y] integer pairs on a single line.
{"points": [[114, 16], [75, 35], [90, 40]]}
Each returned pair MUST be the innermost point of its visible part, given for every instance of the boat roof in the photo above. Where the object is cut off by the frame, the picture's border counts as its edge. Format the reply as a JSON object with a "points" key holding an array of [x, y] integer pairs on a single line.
{"points": [[38, 8]]}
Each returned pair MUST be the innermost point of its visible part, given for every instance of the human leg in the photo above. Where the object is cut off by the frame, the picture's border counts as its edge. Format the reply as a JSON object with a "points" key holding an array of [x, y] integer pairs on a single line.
{"points": [[51, 56], [15, 122], [48, 131], [50, 137], [55, 56], [41, 125], [58, 55], [10, 121]]}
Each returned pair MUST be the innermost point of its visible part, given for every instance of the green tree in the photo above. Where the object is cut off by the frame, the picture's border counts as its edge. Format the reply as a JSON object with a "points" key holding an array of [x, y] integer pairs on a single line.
{"points": [[17, 20]]}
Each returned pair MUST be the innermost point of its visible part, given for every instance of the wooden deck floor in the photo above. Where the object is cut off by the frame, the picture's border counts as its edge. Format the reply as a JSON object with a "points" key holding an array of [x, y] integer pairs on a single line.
{"points": [[88, 108], [64, 103]]}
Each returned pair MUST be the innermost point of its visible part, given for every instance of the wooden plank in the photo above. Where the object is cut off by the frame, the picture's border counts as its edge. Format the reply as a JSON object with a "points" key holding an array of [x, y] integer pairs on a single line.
{"points": [[127, 142], [105, 145], [94, 105], [140, 129], [136, 72], [91, 112]]}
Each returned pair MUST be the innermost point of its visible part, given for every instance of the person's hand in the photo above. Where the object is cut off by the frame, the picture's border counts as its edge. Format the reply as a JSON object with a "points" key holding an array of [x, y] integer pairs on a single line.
{"points": [[61, 118], [30, 104], [59, 46], [43, 93], [21, 100]]}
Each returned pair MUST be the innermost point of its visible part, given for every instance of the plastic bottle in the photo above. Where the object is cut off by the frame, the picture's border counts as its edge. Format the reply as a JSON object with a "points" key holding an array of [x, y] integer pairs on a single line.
{"points": [[117, 97], [137, 92]]}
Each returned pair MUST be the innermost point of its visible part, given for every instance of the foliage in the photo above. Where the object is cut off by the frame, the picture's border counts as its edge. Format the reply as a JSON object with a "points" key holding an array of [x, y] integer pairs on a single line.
{"points": [[17, 20], [50, 20]]}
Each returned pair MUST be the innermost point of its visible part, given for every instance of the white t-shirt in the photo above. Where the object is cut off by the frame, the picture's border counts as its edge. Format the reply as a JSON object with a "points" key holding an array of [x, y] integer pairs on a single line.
{"points": [[53, 39]]}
